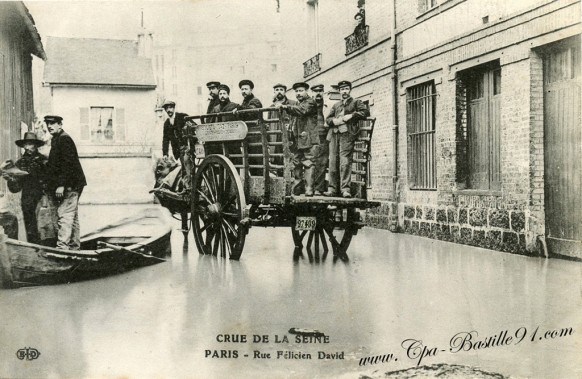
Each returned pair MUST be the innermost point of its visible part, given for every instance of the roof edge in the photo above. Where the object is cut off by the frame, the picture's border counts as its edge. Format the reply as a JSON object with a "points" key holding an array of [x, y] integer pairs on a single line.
{"points": [[29, 22]]}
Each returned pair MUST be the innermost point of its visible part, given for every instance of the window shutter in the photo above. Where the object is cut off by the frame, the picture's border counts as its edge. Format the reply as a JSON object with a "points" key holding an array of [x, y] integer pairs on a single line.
{"points": [[120, 125], [84, 122]]}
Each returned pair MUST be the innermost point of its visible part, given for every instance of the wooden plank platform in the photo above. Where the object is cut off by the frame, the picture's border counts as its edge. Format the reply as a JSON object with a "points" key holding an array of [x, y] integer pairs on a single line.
{"points": [[337, 201]]}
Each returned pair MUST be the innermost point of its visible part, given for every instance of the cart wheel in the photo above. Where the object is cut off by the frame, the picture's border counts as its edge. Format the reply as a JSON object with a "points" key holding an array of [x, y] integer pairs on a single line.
{"points": [[218, 202], [327, 229]]}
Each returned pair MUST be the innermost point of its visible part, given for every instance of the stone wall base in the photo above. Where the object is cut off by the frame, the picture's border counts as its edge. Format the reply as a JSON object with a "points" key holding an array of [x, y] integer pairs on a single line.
{"points": [[490, 228]]}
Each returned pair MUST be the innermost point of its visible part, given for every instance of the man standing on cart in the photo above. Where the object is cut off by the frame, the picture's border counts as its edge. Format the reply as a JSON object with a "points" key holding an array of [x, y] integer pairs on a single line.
{"points": [[249, 100], [213, 88], [322, 157], [224, 105], [304, 126], [343, 131]]}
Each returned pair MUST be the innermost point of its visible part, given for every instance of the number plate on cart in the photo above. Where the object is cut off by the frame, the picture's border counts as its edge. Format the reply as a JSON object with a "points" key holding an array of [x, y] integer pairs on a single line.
{"points": [[305, 223]]}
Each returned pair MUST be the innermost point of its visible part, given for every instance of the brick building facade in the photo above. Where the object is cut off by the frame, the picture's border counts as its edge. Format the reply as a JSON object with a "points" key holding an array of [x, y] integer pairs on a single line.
{"points": [[488, 117]]}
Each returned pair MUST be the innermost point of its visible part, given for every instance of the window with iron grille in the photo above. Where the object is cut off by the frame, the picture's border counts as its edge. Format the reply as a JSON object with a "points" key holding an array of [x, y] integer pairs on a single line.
{"points": [[420, 125]]}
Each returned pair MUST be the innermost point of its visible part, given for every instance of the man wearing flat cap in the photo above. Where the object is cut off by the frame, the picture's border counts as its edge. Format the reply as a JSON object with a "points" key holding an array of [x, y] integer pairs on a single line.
{"points": [[33, 164], [280, 97], [343, 131], [249, 100], [174, 131], [213, 87], [304, 127], [66, 181], [224, 104], [322, 156]]}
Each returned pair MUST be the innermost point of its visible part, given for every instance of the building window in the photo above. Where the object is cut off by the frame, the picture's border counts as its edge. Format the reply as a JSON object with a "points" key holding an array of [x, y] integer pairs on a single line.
{"points": [[174, 72], [199, 90], [174, 89], [479, 128], [420, 125], [273, 68], [425, 5], [103, 125]]}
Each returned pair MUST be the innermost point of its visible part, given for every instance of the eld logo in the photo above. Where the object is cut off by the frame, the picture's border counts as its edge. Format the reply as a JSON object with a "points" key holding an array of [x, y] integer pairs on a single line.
{"points": [[27, 353]]}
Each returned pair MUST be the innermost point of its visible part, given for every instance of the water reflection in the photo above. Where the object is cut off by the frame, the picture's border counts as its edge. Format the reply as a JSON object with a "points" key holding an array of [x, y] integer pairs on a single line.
{"points": [[160, 321]]}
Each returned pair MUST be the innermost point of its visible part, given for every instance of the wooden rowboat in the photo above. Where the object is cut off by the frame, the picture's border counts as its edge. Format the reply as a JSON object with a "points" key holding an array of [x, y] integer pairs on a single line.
{"points": [[139, 240]]}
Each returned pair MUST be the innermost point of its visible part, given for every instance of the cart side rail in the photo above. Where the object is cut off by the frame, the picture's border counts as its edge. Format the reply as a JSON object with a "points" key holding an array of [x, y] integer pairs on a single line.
{"points": [[362, 155], [261, 158]]}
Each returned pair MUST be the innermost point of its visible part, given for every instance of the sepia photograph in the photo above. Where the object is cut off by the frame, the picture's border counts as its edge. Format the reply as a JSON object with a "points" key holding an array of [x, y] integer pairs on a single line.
{"points": [[294, 189]]}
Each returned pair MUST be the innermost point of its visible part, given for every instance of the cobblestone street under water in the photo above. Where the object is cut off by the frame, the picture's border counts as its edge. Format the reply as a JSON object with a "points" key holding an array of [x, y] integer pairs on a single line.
{"points": [[398, 296]]}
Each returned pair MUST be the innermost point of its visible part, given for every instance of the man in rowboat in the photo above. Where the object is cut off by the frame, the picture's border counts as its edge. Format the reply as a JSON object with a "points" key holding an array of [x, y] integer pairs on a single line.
{"points": [[66, 182]]}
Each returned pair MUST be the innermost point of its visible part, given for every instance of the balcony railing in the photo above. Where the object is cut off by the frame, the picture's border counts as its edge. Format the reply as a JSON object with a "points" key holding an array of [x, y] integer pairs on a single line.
{"points": [[357, 40], [312, 65]]}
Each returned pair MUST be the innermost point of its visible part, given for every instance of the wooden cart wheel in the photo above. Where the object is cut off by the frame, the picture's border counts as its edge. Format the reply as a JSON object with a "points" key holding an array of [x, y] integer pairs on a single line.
{"points": [[327, 229], [218, 202]]}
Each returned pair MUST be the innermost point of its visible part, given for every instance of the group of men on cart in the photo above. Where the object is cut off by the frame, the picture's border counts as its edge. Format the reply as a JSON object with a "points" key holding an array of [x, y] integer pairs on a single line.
{"points": [[319, 141]]}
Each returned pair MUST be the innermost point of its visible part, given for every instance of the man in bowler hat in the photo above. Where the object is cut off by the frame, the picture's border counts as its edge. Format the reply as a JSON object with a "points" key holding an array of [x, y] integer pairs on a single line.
{"points": [[31, 185], [66, 181]]}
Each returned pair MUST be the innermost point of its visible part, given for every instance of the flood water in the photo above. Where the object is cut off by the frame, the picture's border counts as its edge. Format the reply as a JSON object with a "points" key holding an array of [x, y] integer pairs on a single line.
{"points": [[169, 320]]}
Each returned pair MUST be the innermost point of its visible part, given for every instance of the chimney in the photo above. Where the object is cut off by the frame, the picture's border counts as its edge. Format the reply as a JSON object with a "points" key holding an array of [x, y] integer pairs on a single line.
{"points": [[145, 41]]}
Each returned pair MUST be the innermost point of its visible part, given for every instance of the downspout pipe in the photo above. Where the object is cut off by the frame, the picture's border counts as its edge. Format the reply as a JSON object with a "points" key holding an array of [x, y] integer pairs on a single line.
{"points": [[394, 57]]}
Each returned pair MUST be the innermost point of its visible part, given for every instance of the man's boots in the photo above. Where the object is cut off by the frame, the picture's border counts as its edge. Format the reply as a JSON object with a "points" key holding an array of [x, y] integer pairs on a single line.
{"points": [[298, 182], [308, 174]]}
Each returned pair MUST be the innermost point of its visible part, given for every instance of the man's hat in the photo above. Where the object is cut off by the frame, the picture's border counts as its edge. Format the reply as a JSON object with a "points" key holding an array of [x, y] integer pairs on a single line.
{"points": [[29, 137], [52, 119], [247, 82], [224, 87], [212, 84], [317, 87], [279, 85], [301, 84], [344, 83], [168, 103]]}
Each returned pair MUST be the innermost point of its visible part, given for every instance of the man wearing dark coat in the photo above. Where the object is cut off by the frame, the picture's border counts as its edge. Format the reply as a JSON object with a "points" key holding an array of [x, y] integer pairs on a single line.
{"points": [[31, 185], [304, 126], [280, 97], [343, 131], [213, 88], [66, 181], [249, 100], [224, 104], [174, 131], [322, 156]]}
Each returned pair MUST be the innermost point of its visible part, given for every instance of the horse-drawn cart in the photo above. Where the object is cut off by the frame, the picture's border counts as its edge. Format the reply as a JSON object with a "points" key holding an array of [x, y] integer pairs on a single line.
{"points": [[243, 177]]}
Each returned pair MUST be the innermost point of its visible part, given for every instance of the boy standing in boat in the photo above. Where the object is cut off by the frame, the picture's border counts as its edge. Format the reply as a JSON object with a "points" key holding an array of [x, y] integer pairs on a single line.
{"points": [[67, 180]]}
